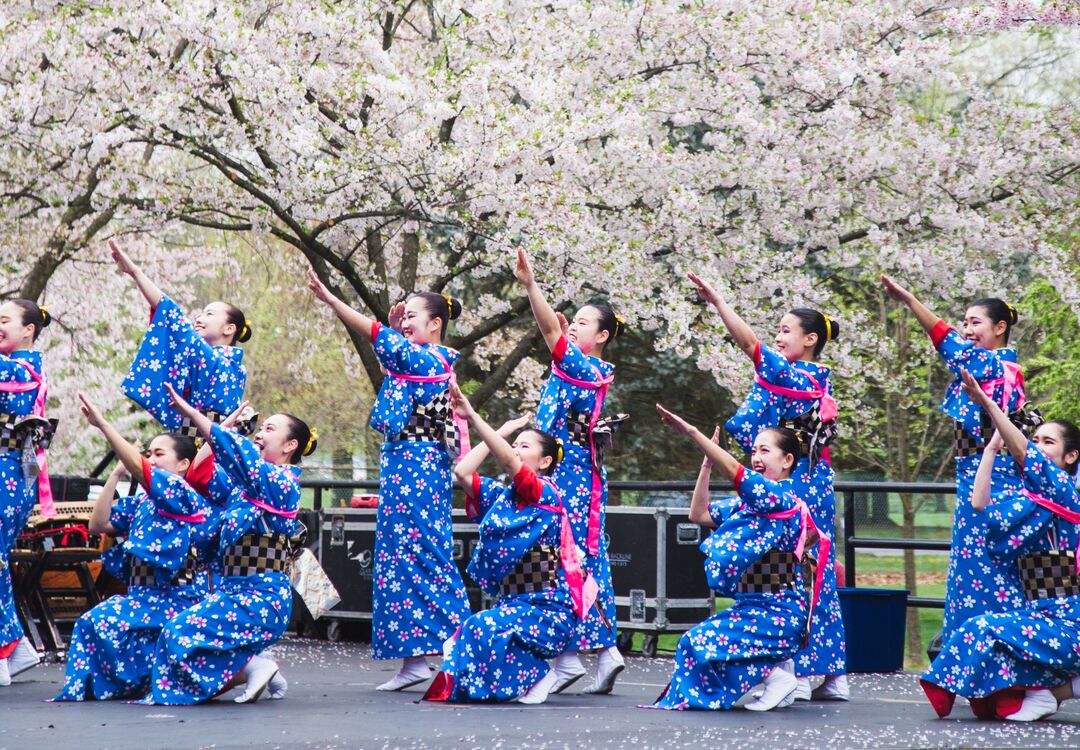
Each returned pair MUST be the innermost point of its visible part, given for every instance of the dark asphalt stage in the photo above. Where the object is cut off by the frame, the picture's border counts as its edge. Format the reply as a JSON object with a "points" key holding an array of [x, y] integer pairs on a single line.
{"points": [[332, 704]]}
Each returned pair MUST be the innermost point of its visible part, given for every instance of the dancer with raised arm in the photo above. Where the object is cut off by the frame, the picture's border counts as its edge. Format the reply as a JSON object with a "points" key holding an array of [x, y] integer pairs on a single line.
{"points": [[112, 646], [419, 598], [569, 408], [754, 557], [792, 389], [527, 558], [976, 584], [26, 432], [1021, 665]]}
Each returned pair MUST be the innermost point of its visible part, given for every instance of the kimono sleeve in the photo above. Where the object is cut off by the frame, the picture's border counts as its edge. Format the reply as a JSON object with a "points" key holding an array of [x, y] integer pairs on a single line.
{"points": [[960, 354], [397, 354], [171, 352], [171, 493], [573, 361], [1043, 477], [239, 458], [1013, 524], [721, 510], [485, 491], [123, 513], [761, 495]]}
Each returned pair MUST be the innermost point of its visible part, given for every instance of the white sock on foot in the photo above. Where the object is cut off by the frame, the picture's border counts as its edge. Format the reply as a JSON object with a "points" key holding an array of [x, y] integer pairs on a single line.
{"points": [[802, 690], [608, 666], [259, 671], [23, 658], [1038, 704], [538, 693], [835, 688], [414, 670], [779, 691], [5, 675], [568, 669], [277, 687]]}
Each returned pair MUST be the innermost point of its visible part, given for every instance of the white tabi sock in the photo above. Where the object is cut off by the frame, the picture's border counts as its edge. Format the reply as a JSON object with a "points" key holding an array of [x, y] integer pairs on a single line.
{"points": [[277, 687], [414, 670], [608, 666], [23, 658], [1038, 704], [779, 692], [835, 688], [568, 670], [258, 673], [538, 693], [5, 675]]}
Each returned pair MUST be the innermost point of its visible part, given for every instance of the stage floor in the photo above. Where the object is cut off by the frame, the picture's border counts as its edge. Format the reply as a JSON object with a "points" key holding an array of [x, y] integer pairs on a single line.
{"points": [[332, 704]]}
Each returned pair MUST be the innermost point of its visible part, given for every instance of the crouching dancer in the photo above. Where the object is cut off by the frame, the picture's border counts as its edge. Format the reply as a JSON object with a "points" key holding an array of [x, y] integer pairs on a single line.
{"points": [[754, 557], [527, 557]]}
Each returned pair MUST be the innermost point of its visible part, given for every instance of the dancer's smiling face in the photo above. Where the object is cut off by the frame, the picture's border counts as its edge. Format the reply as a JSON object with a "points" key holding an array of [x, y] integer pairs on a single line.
{"points": [[979, 327], [418, 325], [584, 331], [791, 341], [769, 459], [14, 334], [163, 455], [275, 441], [529, 447], [1050, 438], [213, 325]]}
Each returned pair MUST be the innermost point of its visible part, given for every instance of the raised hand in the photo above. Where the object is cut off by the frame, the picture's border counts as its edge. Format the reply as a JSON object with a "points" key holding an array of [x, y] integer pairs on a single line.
{"points": [[973, 389], [90, 410], [396, 316], [319, 289], [511, 426], [459, 403], [564, 324], [123, 262], [894, 291], [230, 421], [704, 291], [715, 439], [179, 403], [674, 421], [523, 270]]}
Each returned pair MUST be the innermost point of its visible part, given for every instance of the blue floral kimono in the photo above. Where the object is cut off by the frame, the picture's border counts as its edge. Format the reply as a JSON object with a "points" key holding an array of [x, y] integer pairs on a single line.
{"points": [[17, 496], [718, 661], [211, 378], [419, 597], [113, 645], [501, 652], [564, 411], [204, 646], [812, 482], [976, 584], [1037, 646]]}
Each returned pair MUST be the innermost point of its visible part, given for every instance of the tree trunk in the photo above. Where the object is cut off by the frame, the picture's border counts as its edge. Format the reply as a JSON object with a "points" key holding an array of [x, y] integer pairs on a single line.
{"points": [[914, 634]]}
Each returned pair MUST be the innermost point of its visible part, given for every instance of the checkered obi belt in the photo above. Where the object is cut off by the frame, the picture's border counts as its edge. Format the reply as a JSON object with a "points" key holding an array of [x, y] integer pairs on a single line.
{"points": [[774, 573], [243, 426], [432, 422], [813, 434], [537, 571], [14, 431], [1026, 417], [141, 573], [258, 553], [1050, 574]]}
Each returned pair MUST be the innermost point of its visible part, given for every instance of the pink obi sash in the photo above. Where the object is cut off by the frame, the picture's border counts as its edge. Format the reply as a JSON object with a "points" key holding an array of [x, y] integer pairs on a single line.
{"points": [[41, 383], [596, 496], [1058, 510], [197, 518], [824, 545], [583, 587], [263, 505], [1013, 379], [827, 410], [447, 377]]}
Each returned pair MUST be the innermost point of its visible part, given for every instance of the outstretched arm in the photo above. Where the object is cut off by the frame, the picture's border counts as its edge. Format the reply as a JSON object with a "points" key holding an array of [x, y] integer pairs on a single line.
{"points": [[471, 461], [546, 318], [699, 503], [497, 444], [737, 327], [127, 453], [980, 492], [716, 455], [99, 516], [922, 313], [148, 288], [1013, 438], [355, 321]]}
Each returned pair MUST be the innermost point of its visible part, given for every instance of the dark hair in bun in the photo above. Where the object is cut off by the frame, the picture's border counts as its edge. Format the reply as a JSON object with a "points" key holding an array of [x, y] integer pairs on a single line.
{"points": [[813, 321], [306, 438], [787, 440], [998, 310], [441, 306], [183, 445], [33, 314], [609, 321], [550, 447], [235, 315]]}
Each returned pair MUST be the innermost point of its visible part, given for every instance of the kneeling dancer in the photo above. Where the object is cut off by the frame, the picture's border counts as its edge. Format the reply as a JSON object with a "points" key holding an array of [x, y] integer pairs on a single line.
{"points": [[753, 557], [527, 557], [112, 645], [215, 645], [1021, 665]]}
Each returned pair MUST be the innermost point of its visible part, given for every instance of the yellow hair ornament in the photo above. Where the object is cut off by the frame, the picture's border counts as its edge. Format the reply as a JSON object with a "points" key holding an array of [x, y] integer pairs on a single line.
{"points": [[449, 302], [828, 327], [558, 450], [312, 440]]}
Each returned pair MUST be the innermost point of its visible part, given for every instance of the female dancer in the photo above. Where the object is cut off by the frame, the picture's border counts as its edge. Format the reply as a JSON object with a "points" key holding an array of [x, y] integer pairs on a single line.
{"points": [[570, 405], [754, 557], [791, 389], [419, 598], [1020, 665], [200, 359], [23, 389], [526, 557], [113, 644], [215, 645], [976, 584]]}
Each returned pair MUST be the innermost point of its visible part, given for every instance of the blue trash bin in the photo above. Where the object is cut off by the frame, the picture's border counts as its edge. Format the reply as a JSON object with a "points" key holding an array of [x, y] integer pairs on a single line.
{"points": [[874, 628]]}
